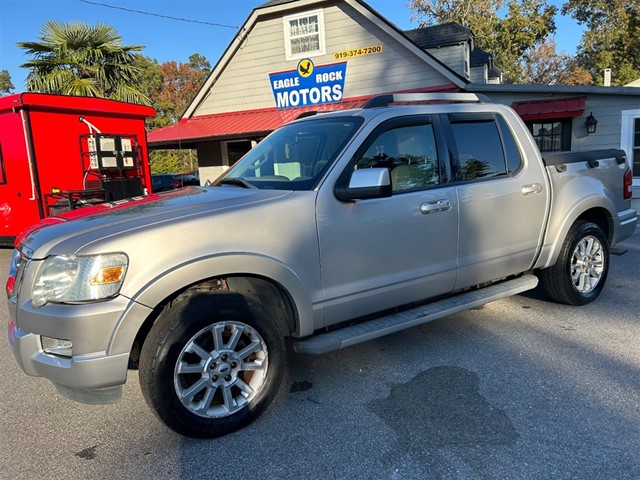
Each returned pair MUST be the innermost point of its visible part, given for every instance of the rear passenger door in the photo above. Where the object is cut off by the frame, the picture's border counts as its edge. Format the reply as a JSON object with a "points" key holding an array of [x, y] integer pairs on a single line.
{"points": [[502, 197]]}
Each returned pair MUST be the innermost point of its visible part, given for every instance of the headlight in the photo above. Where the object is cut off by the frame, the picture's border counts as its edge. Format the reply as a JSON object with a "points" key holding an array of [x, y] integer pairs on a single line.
{"points": [[74, 279]]}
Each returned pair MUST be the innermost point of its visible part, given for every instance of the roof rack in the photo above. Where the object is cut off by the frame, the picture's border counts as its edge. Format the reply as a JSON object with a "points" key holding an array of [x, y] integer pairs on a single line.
{"points": [[385, 99], [306, 114]]}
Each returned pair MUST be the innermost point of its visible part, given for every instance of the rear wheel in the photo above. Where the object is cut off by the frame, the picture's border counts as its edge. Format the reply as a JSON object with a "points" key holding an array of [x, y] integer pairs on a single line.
{"points": [[580, 272], [211, 364]]}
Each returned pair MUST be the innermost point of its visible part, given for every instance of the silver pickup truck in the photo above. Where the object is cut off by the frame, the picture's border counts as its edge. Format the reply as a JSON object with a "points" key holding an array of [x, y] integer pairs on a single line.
{"points": [[336, 229]]}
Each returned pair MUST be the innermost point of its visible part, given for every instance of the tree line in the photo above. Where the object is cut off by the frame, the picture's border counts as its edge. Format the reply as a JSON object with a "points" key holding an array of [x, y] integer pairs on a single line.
{"points": [[519, 33], [79, 59], [91, 60]]}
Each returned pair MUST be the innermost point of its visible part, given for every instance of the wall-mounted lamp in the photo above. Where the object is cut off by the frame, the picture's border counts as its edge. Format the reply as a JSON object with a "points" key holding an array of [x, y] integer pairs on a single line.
{"points": [[591, 123]]}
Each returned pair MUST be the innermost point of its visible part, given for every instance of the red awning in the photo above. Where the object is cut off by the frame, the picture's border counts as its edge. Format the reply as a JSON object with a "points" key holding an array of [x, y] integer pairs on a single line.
{"points": [[549, 108], [254, 123], [234, 124]]}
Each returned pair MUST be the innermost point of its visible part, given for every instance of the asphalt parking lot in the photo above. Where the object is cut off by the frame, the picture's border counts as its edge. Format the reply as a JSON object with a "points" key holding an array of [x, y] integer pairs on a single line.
{"points": [[518, 389]]}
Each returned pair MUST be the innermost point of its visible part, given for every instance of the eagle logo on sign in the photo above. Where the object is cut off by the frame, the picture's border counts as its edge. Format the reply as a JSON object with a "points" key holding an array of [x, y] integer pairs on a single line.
{"points": [[305, 67]]}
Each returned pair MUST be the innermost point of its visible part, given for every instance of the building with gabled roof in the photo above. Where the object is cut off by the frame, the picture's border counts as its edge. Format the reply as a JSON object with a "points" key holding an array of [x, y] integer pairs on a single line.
{"points": [[237, 104], [291, 57]]}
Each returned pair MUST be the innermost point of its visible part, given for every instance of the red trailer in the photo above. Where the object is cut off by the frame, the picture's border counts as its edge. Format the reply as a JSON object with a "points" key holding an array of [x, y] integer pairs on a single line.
{"points": [[59, 153]]}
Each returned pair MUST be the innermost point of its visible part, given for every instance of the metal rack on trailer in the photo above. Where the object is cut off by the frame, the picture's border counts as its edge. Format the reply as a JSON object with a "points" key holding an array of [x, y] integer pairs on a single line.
{"points": [[59, 153]]}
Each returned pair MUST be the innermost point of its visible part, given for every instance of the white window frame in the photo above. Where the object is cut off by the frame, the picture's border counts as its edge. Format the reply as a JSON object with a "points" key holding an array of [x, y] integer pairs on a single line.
{"points": [[288, 38], [626, 137]]}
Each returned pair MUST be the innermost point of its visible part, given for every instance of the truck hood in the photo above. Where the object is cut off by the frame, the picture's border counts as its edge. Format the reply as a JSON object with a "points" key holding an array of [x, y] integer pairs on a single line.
{"points": [[78, 227]]}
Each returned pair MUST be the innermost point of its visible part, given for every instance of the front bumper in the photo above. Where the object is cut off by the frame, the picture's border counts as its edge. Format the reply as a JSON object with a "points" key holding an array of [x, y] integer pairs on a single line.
{"points": [[97, 369], [95, 379]]}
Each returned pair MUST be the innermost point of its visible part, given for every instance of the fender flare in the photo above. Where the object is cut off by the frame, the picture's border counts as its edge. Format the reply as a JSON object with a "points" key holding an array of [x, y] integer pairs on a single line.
{"points": [[553, 242], [197, 270]]}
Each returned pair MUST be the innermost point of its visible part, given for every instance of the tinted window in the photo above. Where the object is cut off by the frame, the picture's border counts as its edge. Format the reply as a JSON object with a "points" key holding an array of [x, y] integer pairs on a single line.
{"points": [[409, 152], [479, 149], [514, 158]]}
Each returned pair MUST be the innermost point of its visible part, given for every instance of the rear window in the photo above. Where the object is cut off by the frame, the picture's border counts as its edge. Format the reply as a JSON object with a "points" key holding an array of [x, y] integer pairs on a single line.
{"points": [[479, 148]]}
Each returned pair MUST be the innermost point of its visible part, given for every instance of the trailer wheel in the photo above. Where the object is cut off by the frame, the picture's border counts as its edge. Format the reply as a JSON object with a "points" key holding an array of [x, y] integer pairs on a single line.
{"points": [[580, 272], [211, 364]]}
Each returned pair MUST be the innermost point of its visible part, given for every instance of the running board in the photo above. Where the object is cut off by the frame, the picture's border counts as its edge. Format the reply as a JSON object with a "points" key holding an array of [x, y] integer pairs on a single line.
{"points": [[379, 327]]}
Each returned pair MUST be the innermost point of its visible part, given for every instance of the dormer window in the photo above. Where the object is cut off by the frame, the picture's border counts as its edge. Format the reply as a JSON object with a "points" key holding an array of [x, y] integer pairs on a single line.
{"points": [[304, 35]]}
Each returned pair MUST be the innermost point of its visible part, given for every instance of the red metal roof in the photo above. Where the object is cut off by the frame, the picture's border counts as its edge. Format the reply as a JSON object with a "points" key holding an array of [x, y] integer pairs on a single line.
{"points": [[549, 108], [253, 122], [248, 122]]}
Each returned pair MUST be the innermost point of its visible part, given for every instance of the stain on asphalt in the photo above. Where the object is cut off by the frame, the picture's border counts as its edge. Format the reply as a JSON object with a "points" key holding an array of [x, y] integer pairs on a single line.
{"points": [[442, 407], [300, 386], [88, 453]]}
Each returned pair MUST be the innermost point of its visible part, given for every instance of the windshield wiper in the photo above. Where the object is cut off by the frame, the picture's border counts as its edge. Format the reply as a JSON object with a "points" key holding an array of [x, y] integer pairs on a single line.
{"points": [[237, 181]]}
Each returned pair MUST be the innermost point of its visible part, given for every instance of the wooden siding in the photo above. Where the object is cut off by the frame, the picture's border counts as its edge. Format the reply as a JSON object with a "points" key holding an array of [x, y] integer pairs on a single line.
{"points": [[479, 74], [244, 83], [452, 56]]}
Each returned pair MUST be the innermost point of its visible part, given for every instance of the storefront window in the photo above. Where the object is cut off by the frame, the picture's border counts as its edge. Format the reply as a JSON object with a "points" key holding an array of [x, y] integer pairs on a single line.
{"points": [[236, 150], [552, 135], [304, 35]]}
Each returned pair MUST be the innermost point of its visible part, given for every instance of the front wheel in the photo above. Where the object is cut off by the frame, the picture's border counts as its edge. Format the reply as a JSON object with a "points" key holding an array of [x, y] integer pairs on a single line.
{"points": [[211, 364], [580, 273]]}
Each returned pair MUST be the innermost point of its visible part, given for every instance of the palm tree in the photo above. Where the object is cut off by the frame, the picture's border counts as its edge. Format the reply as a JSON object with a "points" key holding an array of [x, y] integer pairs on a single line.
{"points": [[79, 59]]}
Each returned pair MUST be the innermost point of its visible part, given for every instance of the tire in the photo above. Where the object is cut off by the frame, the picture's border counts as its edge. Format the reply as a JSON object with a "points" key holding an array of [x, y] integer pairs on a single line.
{"points": [[211, 364], [580, 273]]}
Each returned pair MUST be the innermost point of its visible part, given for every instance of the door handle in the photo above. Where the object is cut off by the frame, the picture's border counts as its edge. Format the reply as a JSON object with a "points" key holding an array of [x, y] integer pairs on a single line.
{"points": [[531, 188], [437, 206]]}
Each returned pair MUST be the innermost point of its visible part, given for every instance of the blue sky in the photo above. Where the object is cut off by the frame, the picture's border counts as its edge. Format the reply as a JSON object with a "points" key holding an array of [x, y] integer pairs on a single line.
{"points": [[166, 39]]}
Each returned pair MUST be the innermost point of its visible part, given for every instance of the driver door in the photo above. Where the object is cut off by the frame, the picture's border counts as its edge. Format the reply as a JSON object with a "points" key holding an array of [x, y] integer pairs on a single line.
{"points": [[381, 253]]}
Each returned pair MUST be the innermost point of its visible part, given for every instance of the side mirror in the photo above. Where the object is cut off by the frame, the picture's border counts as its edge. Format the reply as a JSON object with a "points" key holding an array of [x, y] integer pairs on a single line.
{"points": [[366, 183]]}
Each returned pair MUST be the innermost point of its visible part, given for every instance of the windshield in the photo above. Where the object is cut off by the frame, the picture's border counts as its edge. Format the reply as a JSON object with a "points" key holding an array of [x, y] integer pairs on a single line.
{"points": [[293, 157]]}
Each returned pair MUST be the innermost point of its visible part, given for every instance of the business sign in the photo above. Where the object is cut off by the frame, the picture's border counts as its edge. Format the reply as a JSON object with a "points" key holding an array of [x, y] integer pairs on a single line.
{"points": [[309, 84], [358, 52]]}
